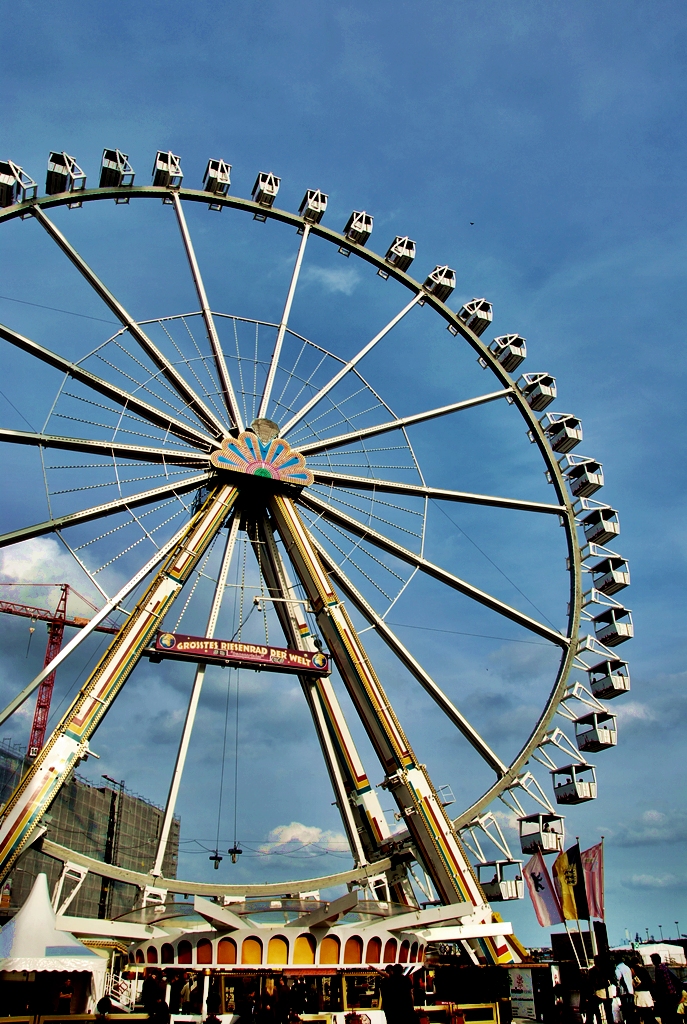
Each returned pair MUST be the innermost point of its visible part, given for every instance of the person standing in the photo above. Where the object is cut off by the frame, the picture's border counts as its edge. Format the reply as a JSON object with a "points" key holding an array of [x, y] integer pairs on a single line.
{"points": [[602, 991], [623, 977], [643, 999], [667, 990]]}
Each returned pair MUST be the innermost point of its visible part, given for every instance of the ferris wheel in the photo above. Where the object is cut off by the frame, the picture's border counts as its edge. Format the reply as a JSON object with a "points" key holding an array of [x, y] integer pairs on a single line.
{"points": [[211, 456]]}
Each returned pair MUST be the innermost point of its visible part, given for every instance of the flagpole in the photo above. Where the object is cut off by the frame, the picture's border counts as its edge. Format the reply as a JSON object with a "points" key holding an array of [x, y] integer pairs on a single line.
{"points": [[579, 964], [592, 937]]}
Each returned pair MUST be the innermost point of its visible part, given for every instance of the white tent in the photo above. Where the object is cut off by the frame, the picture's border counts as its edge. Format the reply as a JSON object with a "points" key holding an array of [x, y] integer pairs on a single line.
{"points": [[670, 953], [31, 941]]}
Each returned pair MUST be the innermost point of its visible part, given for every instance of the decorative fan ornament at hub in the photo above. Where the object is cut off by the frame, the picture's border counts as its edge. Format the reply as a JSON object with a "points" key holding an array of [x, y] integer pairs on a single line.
{"points": [[259, 451]]}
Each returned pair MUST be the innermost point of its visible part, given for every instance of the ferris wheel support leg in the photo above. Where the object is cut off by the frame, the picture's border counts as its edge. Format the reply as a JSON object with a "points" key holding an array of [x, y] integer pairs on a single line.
{"points": [[69, 742], [361, 812], [406, 779], [190, 719]]}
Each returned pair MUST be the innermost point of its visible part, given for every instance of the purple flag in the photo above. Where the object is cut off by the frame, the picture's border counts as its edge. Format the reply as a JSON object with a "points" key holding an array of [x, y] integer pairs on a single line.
{"points": [[543, 895]]}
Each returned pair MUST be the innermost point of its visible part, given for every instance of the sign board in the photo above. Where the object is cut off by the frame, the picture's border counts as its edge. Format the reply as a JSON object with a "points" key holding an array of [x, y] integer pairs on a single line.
{"points": [[522, 993], [237, 654]]}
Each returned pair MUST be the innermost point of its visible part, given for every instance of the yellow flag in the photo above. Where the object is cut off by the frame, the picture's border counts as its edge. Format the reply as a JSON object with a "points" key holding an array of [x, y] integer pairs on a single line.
{"points": [[569, 881]]}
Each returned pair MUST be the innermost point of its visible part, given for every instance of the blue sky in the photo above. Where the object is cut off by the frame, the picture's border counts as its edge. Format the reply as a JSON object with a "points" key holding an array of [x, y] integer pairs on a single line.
{"points": [[538, 149]]}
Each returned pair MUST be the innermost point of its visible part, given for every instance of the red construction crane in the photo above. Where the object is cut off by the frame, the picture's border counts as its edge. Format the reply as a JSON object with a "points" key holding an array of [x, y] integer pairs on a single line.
{"points": [[57, 621]]}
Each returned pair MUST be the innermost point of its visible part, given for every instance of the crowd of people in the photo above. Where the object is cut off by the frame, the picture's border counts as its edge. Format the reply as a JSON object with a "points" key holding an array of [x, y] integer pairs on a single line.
{"points": [[627, 994]]}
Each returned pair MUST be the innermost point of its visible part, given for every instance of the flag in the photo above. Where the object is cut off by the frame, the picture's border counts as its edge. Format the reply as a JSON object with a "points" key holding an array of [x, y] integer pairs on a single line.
{"points": [[568, 876], [543, 895], [593, 867]]}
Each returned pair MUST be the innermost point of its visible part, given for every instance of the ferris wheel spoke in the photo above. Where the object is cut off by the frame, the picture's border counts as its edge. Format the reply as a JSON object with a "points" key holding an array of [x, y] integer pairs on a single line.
{"points": [[347, 367], [324, 476], [170, 372], [213, 337], [413, 666], [339, 518], [327, 443], [109, 448], [274, 361], [88, 515], [130, 402]]}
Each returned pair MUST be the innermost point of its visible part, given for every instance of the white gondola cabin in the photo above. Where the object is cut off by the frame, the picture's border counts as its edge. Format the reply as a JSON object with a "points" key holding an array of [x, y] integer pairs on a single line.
{"points": [[116, 172], [359, 227], [596, 731], [64, 175], [539, 390], [609, 678], [510, 350], [167, 171], [545, 832], [440, 283], [265, 191], [15, 185], [601, 525], [501, 880], [401, 252], [477, 315], [611, 574], [585, 476], [313, 206], [563, 431], [574, 784], [613, 626], [217, 180]]}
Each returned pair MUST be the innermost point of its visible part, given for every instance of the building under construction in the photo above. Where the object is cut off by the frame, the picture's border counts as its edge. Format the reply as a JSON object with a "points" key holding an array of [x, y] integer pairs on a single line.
{"points": [[103, 821]]}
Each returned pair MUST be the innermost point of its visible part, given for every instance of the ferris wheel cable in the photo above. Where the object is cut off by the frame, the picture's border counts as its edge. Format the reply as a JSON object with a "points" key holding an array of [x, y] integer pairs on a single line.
{"points": [[104, 612], [462, 632], [122, 451], [330, 489], [178, 382], [213, 337], [140, 540], [54, 309], [314, 447], [184, 360], [267, 390], [143, 386], [347, 557], [158, 377], [101, 511], [123, 526], [370, 514], [325, 476], [342, 760], [189, 721], [492, 562], [115, 483], [123, 398], [310, 424], [305, 409], [442, 575], [403, 654], [81, 565], [30, 425]]}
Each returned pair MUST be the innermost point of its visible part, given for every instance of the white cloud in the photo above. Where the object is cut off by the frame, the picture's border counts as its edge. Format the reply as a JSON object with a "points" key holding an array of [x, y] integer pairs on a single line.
{"points": [[44, 560], [339, 279], [304, 840], [652, 828], [654, 882], [633, 711]]}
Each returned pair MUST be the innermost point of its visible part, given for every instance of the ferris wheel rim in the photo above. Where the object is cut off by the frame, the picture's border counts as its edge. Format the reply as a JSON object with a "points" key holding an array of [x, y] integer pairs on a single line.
{"points": [[564, 508]]}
